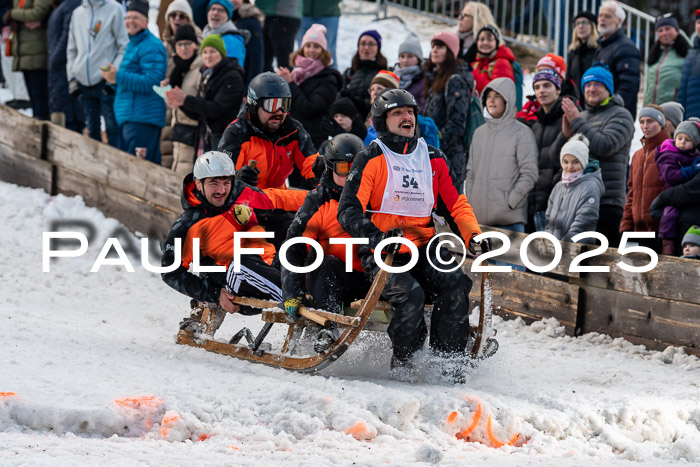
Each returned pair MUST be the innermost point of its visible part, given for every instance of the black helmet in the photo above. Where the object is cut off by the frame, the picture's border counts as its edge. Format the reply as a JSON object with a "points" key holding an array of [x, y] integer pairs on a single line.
{"points": [[269, 91], [390, 99], [341, 151]]}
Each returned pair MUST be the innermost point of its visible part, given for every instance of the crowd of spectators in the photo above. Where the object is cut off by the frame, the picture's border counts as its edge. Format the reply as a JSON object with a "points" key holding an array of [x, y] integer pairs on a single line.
{"points": [[557, 162]]}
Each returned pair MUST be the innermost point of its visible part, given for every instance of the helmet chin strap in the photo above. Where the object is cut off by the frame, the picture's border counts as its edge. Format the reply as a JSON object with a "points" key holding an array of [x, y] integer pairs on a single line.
{"points": [[394, 138]]}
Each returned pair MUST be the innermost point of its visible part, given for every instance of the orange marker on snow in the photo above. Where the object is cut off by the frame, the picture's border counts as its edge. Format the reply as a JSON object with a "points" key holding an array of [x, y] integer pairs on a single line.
{"points": [[475, 421], [496, 443]]}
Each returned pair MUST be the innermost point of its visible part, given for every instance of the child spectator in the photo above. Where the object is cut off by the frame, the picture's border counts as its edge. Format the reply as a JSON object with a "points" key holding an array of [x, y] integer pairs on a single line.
{"points": [[678, 160], [691, 243], [574, 204], [342, 117]]}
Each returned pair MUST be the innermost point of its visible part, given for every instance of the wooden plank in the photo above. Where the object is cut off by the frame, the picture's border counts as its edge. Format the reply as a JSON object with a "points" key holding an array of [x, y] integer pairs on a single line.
{"points": [[319, 316], [530, 296], [114, 168], [622, 314], [24, 170], [20, 132], [672, 278], [135, 213]]}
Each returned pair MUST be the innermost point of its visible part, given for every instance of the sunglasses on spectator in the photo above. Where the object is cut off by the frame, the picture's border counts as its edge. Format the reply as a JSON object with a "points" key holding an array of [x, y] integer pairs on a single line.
{"points": [[462, 16], [341, 168], [274, 104], [178, 15]]}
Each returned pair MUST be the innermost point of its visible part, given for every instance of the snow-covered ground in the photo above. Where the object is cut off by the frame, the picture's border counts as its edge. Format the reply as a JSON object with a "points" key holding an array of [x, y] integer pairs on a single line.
{"points": [[98, 378]]}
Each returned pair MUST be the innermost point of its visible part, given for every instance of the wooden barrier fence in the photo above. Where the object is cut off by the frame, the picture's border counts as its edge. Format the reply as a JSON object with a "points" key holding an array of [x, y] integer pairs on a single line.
{"points": [[659, 308]]}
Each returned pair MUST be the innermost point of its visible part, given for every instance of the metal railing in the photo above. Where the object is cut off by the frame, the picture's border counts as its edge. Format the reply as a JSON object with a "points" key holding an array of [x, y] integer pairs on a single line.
{"points": [[541, 24]]}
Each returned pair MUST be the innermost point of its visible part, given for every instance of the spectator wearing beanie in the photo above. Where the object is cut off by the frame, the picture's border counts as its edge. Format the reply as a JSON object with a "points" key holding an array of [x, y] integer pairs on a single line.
{"points": [[688, 96], [219, 94], [409, 70], [185, 75], [678, 161], [381, 81], [327, 13], [248, 17], [574, 205], [691, 243], [674, 115], [342, 118], [643, 184], [178, 13], [555, 63], [139, 111], [609, 127], [366, 63], [447, 97], [493, 58], [313, 81], [665, 60], [584, 43], [547, 131], [220, 21]]}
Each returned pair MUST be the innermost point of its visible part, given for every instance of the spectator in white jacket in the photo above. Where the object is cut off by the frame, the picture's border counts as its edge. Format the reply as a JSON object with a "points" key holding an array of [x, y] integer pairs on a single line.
{"points": [[97, 38]]}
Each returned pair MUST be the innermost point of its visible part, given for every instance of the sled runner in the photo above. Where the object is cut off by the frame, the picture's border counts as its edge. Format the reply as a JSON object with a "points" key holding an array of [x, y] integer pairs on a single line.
{"points": [[254, 349]]}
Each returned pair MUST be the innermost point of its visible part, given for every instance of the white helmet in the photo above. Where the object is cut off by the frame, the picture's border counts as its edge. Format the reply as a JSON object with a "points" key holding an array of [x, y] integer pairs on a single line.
{"points": [[213, 164]]}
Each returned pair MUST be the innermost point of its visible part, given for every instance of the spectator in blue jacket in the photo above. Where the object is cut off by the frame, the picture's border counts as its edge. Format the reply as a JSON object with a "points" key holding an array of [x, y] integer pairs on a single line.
{"points": [[60, 99], [219, 21], [140, 112], [97, 37], [688, 95]]}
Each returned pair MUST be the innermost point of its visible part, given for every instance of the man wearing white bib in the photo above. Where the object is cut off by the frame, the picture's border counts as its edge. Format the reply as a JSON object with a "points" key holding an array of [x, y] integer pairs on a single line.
{"points": [[393, 188]]}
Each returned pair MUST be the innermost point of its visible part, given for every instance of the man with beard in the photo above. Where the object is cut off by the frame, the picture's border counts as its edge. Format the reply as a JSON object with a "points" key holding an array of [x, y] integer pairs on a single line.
{"points": [[617, 51], [393, 188]]}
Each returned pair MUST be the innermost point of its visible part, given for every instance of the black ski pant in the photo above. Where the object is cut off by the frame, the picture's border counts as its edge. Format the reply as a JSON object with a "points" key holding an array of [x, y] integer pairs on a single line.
{"points": [[333, 288], [407, 293], [256, 279]]}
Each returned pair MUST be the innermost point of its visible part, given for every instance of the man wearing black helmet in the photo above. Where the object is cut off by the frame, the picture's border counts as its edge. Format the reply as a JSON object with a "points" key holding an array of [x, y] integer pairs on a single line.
{"points": [[393, 189], [265, 133], [330, 285]]}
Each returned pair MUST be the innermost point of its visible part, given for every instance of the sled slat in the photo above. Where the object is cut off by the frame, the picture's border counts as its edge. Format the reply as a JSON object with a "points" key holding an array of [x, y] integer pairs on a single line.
{"points": [[319, 316]]}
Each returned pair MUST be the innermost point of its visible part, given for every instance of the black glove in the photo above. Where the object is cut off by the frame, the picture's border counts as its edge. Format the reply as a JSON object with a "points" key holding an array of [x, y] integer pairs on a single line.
{"points": [[74, 88], [392, 248], [248, 175], [484, 245], [319, 166]]}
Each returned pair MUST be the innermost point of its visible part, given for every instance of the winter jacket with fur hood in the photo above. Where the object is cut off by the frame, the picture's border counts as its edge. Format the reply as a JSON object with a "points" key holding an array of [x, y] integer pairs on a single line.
{"points": [[502, 167], [609, 127], [575, 208]]}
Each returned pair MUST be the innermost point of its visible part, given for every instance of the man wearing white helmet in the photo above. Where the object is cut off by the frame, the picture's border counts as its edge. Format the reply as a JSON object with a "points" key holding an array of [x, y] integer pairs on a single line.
{"points": [[209, 191]]}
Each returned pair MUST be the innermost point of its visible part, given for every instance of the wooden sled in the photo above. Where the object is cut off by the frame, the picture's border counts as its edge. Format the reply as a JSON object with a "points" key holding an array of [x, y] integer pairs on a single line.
{"points": [[285, 358]]}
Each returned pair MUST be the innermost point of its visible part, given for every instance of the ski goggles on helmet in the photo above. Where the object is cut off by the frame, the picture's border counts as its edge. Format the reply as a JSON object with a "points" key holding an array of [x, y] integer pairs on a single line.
{"points": [[273, 104], [341, 168]]}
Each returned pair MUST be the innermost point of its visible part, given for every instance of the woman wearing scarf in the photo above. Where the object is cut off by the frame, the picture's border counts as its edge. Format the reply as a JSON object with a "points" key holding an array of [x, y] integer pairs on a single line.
{"points": [[574, 204], [411, 76], [185, 74], [313, 81]]}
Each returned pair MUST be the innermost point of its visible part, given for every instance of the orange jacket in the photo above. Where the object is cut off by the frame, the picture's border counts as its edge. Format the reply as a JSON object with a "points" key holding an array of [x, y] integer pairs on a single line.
{"points": [[364, 190], [276, 155]]}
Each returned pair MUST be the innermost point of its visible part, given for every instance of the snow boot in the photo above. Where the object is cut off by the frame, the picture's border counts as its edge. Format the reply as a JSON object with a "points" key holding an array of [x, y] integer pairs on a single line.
{"points": [[325, 338]]}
